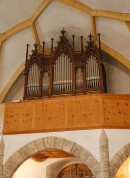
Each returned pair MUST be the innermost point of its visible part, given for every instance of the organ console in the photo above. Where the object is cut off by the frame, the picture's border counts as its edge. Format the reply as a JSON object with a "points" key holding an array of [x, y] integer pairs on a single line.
{"points": [[65, 70]]}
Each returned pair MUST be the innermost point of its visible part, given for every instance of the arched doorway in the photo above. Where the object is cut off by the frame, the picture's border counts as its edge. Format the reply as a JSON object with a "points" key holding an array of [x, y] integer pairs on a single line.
{"points": [[76, 171], [36, 146]]}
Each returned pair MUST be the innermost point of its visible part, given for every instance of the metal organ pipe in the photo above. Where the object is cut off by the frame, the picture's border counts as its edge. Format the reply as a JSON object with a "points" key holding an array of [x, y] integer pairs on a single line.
{"points": [[87, 74], [93, 77], [58, 75], [33, 80], [92, 62], [65, 73], [98, 75], [32, 71], [68, 75], [62, 74], [91, 69], [96, 67], [95, 73], [54, 79]]}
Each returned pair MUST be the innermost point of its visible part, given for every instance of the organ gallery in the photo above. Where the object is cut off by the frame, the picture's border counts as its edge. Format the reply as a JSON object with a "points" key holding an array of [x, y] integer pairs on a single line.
{"points": [[65, 70]]}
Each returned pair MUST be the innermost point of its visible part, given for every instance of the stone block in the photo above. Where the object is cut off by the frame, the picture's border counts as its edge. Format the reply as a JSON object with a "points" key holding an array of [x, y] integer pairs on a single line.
{"points": [[59, 143], [68, 145], [49, 142], [40, 144], [6, 172], [32, 147]]}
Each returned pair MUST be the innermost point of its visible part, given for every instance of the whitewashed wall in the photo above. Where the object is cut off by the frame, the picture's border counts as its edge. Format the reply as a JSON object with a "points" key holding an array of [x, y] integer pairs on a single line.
{"points": [[49, 168], [89, 139], [13, 55], [83, 138]]}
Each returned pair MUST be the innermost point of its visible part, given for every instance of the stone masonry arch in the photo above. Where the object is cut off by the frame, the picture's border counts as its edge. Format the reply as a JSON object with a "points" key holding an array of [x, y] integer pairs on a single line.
{"points": [[119, 158], [42, 144]]}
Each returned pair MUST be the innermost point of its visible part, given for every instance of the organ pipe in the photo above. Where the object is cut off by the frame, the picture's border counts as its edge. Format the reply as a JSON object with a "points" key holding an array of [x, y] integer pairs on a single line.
{"points": [[64, 69], [93, 77], [33, 80], [62, 74]]}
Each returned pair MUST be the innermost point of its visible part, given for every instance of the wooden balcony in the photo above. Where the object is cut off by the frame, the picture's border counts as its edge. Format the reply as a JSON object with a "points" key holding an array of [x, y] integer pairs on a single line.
{"points": [[92, 111]]}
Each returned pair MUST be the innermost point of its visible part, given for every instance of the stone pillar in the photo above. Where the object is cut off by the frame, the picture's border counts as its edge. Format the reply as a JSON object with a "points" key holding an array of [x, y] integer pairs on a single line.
{"points": [[1, 156], [104, 156]]}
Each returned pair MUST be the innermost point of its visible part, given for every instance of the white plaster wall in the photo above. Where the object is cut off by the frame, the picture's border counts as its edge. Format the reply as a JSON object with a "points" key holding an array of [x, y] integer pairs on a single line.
{"points": [[89, 139], [116, 5], [117, 76], [58, 16], [16, 91], [15, 11], [31, 169], [115, 34], [117, 138], [49, 168], [13, 54]]}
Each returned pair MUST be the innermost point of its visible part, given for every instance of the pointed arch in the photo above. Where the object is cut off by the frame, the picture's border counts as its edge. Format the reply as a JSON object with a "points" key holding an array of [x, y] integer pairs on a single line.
{"points": [[119, 158]]}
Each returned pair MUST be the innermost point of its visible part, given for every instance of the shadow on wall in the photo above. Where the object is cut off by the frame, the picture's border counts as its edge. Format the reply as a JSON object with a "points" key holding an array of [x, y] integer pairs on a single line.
{"points": [[117, 76], [16, 91]]}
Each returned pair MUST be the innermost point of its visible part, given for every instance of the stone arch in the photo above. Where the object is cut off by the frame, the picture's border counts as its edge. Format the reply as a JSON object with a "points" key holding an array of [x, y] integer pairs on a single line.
{"points": [[42, 144], [119, 158]]}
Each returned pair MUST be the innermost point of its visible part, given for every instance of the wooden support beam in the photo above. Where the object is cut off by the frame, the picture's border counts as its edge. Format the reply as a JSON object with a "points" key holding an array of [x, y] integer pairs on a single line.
{"points": [[97, 13], [116, 55], [93, 27], [128, 24], [14, 30], [40, 10], [36, 35], [26, 23], [0, 46]]}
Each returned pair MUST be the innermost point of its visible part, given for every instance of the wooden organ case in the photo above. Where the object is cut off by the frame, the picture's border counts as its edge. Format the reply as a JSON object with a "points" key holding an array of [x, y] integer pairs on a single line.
{"points": [[65, 70]]}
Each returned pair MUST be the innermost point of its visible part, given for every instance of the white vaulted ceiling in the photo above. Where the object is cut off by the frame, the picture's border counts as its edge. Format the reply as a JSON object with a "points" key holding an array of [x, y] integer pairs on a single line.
{"points": [[30, 21], [15, 11], [110, 5]]}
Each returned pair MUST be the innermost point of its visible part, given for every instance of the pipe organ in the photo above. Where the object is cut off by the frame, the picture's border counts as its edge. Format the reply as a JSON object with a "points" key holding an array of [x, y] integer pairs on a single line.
{"points": [[64, 71], [62, 82], [92, 73], [33, 80]]}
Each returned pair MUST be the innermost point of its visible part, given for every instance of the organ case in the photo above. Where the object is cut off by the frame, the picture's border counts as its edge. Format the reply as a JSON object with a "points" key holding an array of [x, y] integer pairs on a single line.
{"points": [[65, 70]]}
